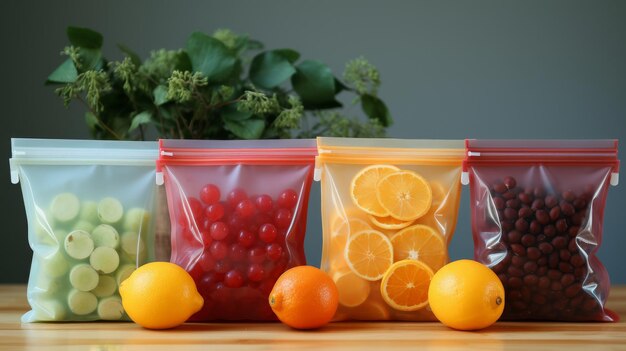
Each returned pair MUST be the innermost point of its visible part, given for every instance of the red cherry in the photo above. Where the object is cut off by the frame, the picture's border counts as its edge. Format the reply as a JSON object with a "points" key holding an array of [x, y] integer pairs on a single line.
{"points": [[267, 232], [196, 209], [218, 250], [207, 240], [208, 281], [256, 272], [214, 212], [236, 223], [222, 267], [206, 262], [236, 196], [274, 252], [282, 218], [264, 203], [233, 279], [245, 238], [245, 209], [219, 230], [256, 255], [187, 235], [237, 253], [210, 194], [287, 199]]}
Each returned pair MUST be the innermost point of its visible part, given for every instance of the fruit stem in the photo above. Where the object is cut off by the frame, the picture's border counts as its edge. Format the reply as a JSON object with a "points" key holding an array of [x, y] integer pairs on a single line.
{"points": [[498, 300]]}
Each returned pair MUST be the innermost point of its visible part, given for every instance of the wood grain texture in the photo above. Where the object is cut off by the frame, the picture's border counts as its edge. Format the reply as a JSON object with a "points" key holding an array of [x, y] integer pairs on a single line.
{"points": [[274, 336]]}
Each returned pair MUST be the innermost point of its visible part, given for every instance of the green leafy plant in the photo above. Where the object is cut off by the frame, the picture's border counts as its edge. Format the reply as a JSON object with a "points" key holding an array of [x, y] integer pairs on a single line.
{"points": [[220, 86]]}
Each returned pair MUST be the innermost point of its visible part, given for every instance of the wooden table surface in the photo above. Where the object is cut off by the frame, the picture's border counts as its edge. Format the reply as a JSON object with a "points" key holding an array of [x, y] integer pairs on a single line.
{"points": [[275, 336]]}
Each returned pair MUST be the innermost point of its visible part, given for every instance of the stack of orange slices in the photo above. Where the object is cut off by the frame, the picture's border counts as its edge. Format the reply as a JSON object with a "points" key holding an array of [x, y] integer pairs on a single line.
{"points": [[384, 244]]}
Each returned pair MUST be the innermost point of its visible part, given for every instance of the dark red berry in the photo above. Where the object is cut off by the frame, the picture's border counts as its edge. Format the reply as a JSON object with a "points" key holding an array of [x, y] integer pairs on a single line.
{"points": [[256, 255], [267, 233], [233, 279], [288, 199], [283, 217], [245, 209], [245, 238], [256, 272], [210, 194], [264, 203], [236, 196], [218, 250], [219, 230], [214, 212], [237, 253], [274, 252]]}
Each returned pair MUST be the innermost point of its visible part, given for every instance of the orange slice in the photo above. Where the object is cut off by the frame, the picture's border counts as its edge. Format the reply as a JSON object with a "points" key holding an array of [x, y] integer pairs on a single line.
{"points": [[351, 226], [404, 195], [420, 242], [370, 311], [389, 222], [363, 188], [340, 217], [353, 290], [405, 285], [369, 254]]}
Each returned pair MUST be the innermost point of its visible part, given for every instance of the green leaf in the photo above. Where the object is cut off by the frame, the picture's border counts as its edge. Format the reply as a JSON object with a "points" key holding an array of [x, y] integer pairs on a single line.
{"points": [[230, 113], [142, 118], [84, 37], [375, 108], [255, 45], [130, 53], [315, 84], [90, 59], [211, 57], [65, 73], [91, 120], [160, 95], [251, 128], [269, 69], [339, 86], [289, 54]]}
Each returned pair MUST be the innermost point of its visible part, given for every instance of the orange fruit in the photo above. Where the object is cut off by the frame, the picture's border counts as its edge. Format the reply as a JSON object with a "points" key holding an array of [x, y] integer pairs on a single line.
{"points": [[339, 237], [405, 285], [369, 254], [353, 290], [160, 295], [420, 242], [466, 295], [389, 222], [304, 297], [364, 185], [404, 195]]}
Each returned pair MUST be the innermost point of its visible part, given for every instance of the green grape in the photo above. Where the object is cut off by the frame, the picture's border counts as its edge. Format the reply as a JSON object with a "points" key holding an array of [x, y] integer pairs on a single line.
{"points": [[104, 259], [78, 244], [105, 235], [124, 272], [65, 207], [106, 286], [83, 277], [136, 220], [110, 210], [110, 309], [82, 302]]}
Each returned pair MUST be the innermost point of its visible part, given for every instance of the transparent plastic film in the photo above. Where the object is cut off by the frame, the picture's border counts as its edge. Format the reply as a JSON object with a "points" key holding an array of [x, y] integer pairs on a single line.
{"points": [[238, 214], [537, 223], [389, 208], [89, 223]]}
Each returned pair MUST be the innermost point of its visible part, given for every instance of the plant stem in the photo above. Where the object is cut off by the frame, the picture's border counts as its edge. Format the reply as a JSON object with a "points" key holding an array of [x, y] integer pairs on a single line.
{"points": [[102, 124]]}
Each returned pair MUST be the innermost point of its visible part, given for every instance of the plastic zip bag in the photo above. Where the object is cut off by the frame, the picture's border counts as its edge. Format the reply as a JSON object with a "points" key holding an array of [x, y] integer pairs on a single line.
{"points": [[238, 211], [388, 206], [537, 211], [89, 208]]}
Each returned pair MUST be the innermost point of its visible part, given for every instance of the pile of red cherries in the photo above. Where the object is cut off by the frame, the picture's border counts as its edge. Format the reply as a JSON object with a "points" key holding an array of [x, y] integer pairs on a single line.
{"points": [[235, 249], [545, 265]]}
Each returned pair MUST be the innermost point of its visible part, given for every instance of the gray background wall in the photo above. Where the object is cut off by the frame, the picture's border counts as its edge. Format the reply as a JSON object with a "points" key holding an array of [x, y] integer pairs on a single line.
{"points": [[450, 69]]}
